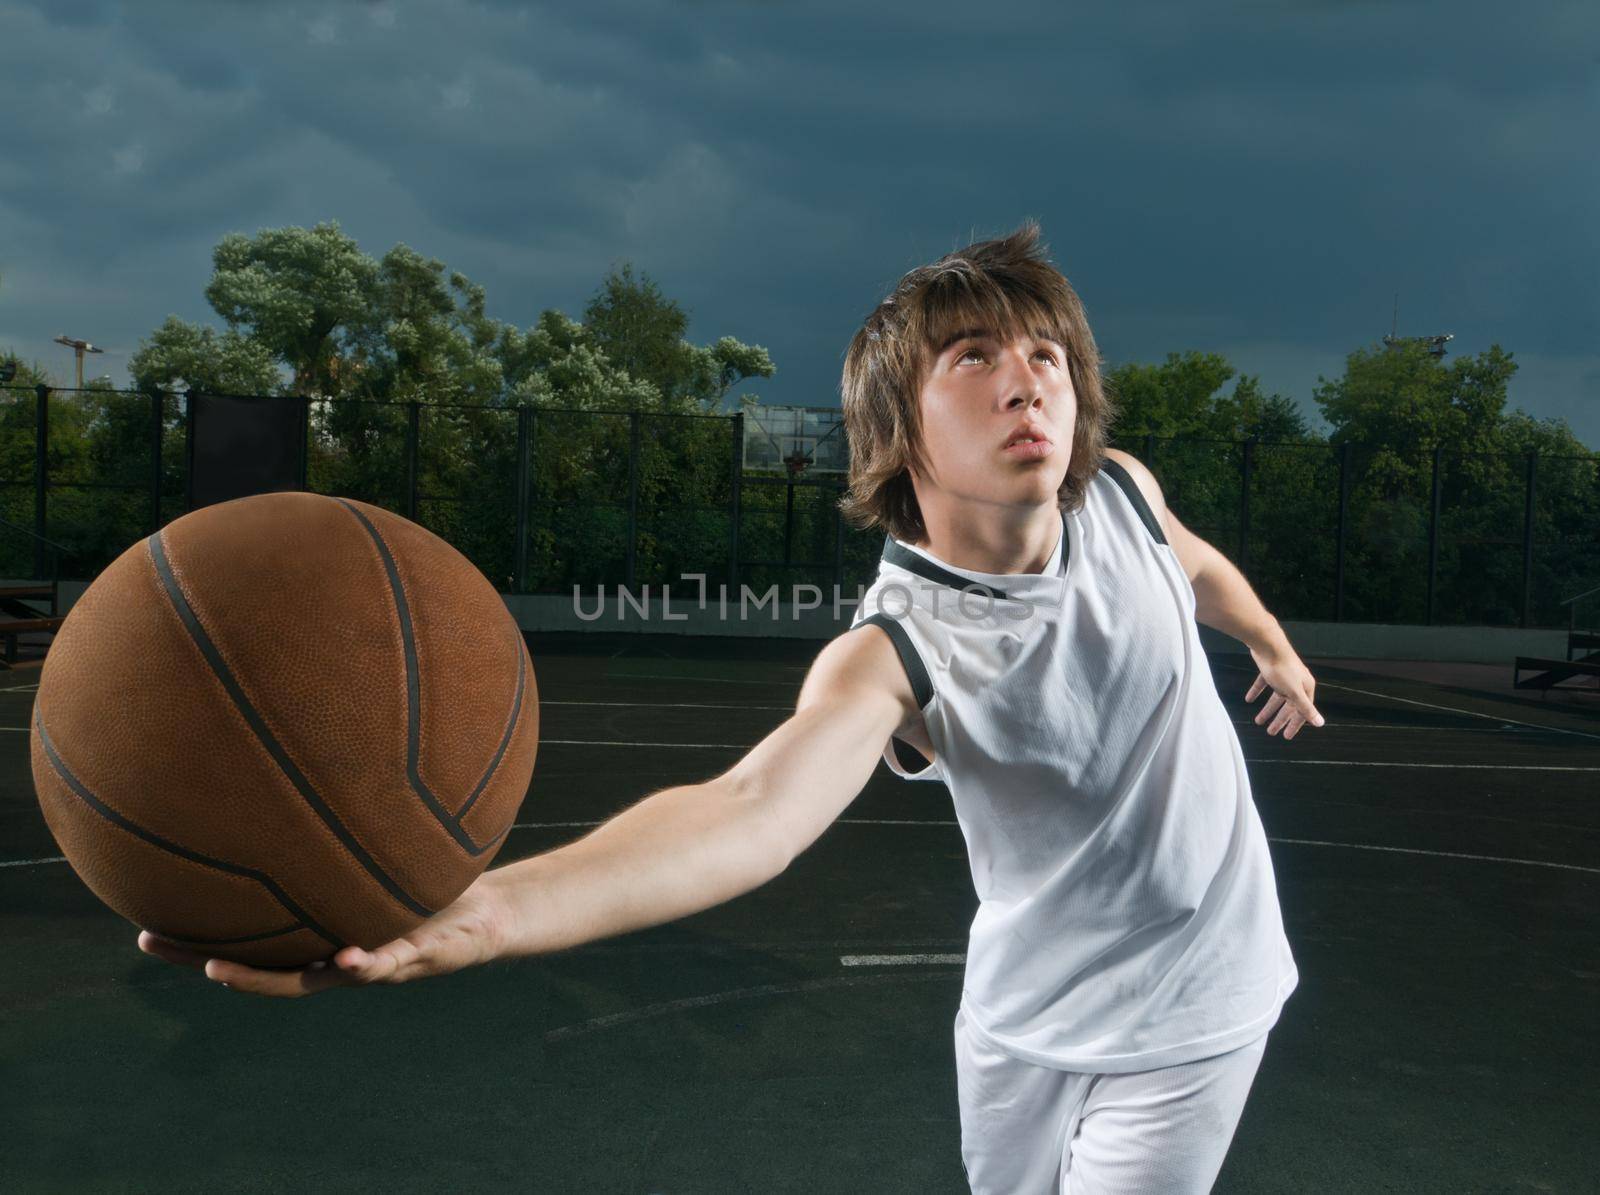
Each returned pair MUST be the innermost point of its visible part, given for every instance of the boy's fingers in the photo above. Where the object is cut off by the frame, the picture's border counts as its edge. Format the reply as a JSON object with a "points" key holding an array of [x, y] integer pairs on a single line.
{"points": [[385, 963], [1272, 703], [161, 948], [348, 967], [244, 978]]}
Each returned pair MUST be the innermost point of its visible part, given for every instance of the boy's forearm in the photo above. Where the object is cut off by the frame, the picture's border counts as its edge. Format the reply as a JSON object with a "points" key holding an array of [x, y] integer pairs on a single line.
{"points": [[675, 853], [1223, 599]]}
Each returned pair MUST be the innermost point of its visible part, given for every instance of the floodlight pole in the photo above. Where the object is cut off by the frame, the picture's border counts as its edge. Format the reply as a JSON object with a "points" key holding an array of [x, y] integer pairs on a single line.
{"points": [[1435, 343], [82, 347]]}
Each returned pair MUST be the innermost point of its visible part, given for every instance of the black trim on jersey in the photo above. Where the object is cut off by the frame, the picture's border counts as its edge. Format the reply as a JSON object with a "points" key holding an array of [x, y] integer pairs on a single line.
{"points": [[916, 672], [896, 553], [908, 757], [901, 556], [1130, 487]]}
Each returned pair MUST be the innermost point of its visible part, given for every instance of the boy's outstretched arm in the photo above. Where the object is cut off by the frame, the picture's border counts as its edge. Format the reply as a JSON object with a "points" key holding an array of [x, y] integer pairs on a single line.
{"points": [[675, 853], [686, 849]]}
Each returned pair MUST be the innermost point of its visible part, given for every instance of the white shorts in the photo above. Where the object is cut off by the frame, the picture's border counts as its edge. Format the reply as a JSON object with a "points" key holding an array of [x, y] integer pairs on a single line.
{"points": [[1031, 1130]]}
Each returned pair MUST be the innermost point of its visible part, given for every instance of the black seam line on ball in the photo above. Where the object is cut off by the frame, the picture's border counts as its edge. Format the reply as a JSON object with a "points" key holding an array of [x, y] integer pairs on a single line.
{"points": [[505, 741], [510, 826], [1130, 487], [180, 939], [218, 666], [413, 694], [111, 815]]}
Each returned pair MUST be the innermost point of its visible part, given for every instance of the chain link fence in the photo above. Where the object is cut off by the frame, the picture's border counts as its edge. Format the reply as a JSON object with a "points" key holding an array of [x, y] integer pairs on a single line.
{"points": [[543, 499]]}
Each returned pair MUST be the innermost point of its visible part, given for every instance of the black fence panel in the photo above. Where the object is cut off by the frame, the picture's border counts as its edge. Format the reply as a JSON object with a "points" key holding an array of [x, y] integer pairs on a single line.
{"points": [[543, 499]]}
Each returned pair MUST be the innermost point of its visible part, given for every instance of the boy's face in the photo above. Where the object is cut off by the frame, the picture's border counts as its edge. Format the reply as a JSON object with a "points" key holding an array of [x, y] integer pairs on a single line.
{"points": [[975, 396]]}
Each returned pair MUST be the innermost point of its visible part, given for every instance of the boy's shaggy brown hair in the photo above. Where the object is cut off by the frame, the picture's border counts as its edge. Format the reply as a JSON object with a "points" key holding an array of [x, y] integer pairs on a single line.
{"points": [[1005, 285]]}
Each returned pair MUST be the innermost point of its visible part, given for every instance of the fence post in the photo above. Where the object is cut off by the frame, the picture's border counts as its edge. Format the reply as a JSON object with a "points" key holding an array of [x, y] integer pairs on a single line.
{"points": [[519, 555], [412, 421], [1244, 505], [838, 541], [1433, 535], [1527, 538], [305, 440], [735, 501], [188, 449], [1338, 550], [41, 472], [633, 490], [788, 523], [157, 411]]}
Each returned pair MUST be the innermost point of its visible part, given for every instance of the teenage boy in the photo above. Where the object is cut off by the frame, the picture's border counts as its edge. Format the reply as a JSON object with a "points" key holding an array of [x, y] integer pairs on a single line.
{"points": [[1030, 640]]}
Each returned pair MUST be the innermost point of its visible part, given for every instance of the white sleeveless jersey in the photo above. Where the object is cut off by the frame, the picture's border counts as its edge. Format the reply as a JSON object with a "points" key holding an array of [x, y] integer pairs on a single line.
{"points": [[1128, 914]]}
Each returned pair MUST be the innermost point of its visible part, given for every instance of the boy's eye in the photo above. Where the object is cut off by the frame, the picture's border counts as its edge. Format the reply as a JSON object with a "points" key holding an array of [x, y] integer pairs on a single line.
{"points": [[979, 352]]}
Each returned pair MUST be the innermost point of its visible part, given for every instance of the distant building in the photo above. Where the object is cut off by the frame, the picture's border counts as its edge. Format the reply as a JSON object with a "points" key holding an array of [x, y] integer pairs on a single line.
{"points": [[776, 435]]}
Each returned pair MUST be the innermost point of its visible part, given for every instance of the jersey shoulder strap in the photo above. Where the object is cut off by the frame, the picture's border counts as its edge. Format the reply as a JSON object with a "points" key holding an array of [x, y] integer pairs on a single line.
{"points": [[1135, 495], [910, 658]]}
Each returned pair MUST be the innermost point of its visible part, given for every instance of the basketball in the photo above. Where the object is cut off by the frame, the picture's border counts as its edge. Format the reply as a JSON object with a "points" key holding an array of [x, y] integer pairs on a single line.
{"points": [[282, 725]]}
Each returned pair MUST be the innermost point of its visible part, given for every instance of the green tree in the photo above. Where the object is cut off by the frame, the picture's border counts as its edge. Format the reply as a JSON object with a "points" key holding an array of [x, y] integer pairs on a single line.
{"points": [[1199, 429], [293, 290], [421, 338], [641, 331], [1180, 397], [380, 335], [1393, 406], [1400, 402], [185, 356]]}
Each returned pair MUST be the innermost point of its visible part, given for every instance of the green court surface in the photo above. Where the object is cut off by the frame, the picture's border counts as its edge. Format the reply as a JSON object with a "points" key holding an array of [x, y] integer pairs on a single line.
{"points": [[1437, 849]]}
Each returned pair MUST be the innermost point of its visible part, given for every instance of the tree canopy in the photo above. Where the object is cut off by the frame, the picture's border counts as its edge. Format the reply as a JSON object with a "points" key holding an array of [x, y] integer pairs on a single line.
{"points": [[609, 405], [310, 303]]}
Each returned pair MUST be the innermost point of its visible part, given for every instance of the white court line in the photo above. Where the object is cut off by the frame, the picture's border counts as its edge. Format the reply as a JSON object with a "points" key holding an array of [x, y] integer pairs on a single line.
{"points": [[771, 989], [1582, 734], [684, 705], [674, 705], [1404, 850], [1354, 846], [900, 960], [725, 705], [1320, 684], [1352, 763], [656, 705], [31, 862], [616, 743], [1375, 763], [714, 680], [864, 821]]}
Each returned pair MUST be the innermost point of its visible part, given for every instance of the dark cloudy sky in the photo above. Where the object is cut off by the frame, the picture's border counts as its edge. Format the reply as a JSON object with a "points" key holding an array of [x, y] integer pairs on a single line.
{"points": [[1256, 179]]}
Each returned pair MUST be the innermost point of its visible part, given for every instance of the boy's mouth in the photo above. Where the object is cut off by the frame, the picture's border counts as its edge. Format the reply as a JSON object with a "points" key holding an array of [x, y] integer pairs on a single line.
{"points": [[1028, 442], [1029, 450]]}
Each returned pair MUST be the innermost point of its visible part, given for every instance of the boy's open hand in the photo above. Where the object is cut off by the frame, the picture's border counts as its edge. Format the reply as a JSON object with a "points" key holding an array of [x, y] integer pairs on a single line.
{"points": [[463, 933], [1293, 688]]}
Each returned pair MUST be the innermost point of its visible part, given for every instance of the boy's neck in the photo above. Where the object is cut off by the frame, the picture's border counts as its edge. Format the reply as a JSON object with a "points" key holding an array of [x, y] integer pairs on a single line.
{"points": [[1002, 545]]}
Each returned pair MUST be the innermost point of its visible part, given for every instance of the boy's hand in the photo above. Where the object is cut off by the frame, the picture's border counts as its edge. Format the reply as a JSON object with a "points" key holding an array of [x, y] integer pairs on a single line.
{"points": [[463, 933], [1293, 687]]}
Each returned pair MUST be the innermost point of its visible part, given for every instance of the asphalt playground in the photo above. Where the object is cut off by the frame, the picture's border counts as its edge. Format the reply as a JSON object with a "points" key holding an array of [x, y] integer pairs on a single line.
{"points": [[1437, 848]]}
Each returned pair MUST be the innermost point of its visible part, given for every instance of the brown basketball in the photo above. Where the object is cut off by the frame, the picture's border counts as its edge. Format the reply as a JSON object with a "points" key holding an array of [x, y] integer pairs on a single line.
{"points": [[282, 725]]}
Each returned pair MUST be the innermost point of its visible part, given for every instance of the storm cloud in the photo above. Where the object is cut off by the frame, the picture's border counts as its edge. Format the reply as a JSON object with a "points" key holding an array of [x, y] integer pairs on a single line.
{"points": [[1254, 179]]}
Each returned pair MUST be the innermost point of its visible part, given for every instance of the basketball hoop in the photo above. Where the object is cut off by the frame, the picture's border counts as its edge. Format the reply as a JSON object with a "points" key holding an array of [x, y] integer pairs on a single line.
{"points": [[796, 462]]}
